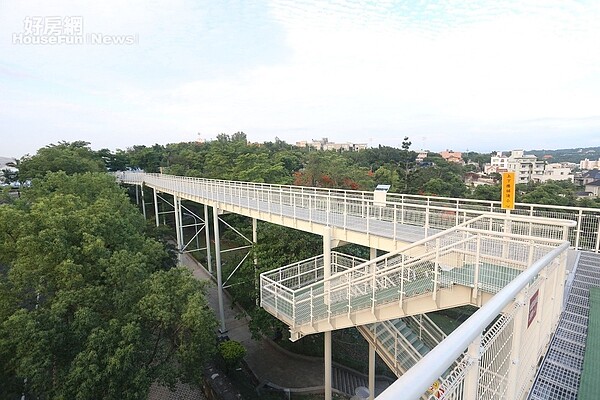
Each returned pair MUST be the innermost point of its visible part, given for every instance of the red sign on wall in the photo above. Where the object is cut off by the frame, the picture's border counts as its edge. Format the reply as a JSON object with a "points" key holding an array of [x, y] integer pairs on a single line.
{"points": [[533, 303]]}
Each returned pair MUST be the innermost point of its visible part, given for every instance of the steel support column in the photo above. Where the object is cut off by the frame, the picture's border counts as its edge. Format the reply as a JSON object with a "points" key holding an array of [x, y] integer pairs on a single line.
{"points": [[156, 207], [222, 329], [255, 260], [143, 201], [178, 228], [372, 255], [207, 232], [326, 275]]}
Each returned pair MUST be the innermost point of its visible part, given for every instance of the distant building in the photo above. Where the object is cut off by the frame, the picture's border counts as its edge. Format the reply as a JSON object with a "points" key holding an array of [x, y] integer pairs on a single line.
{"points": [[528, 168], [325, 144], [593, 188], [587, 164], [452, 156], [421, 156], [588, 177], [474, 179], [556, 172]]}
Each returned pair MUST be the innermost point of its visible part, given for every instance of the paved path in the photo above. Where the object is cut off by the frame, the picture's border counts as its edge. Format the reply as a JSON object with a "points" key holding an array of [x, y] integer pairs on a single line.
{"points": [[267, 362]]}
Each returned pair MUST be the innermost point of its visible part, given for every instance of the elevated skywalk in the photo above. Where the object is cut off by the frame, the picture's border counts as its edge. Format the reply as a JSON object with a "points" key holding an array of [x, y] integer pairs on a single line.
{"points": [[462, 252], [352, 216], [463, 265]]}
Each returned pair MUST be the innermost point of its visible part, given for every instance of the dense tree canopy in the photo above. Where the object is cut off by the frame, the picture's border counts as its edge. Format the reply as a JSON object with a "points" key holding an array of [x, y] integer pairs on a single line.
{"points": [[87, 308], [75, 157]]}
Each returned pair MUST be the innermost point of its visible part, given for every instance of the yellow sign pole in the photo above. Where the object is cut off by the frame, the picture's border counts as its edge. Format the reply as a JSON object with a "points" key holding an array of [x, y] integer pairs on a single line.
{"points": [[508, 190]]}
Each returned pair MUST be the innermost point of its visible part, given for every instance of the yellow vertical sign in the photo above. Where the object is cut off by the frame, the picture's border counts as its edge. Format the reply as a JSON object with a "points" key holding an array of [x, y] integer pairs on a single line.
{"points": [[508, 190]]}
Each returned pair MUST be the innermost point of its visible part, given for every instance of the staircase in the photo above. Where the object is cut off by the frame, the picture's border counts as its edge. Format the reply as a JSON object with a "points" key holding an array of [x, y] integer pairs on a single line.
{"points": [[346, 381], [464, 265], [401, 343]]}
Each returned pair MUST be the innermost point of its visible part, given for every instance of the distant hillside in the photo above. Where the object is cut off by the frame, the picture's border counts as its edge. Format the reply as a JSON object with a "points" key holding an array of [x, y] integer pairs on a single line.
{"points": [[6, 160], [568, 155]]}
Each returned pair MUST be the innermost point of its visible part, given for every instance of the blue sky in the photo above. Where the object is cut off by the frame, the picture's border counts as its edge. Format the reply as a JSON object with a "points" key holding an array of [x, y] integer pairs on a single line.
{"points": [[477, 75]]}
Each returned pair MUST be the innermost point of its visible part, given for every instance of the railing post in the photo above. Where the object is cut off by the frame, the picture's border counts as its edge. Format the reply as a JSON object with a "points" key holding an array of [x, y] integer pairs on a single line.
{"points": [[427, 218], [328, 208], [368, 219], [475, 292], [345, 211], [437, 269], [471, 384], [395, 221], [598, 237]]}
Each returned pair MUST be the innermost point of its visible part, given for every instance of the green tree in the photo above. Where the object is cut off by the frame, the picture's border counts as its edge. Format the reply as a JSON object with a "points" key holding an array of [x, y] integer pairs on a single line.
{"points": [[487, 192], [72, 158], [87, 308]]}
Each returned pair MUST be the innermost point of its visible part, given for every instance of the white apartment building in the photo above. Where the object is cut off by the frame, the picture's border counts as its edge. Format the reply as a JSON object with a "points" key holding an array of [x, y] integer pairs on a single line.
{"points": [[325, 144], [557, 172], [587, 164], [528, 168]]}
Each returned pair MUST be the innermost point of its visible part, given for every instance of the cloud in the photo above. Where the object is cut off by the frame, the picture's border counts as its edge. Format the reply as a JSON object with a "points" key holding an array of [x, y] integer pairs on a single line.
{"points": [[461, 75]]}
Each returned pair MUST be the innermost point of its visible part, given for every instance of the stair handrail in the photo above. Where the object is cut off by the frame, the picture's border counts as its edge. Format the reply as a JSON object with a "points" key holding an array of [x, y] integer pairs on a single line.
{"points": [[429, 332], [416, 380]]}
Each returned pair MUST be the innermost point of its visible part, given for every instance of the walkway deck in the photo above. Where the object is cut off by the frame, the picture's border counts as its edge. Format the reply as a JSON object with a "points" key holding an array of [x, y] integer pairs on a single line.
{"points": [[559, 375]]}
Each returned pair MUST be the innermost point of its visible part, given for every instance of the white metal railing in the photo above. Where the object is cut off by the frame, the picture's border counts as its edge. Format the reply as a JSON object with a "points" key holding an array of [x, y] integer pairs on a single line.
{"points": [[355, 210], [486, 253], [394, 347], [503, 340]]}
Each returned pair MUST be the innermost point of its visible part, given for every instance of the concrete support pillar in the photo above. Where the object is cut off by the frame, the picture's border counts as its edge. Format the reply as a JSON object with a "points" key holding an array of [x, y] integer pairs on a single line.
{"points": [[372, 255], [222, 329], [207, 235], [156, 207], [137, 195]]}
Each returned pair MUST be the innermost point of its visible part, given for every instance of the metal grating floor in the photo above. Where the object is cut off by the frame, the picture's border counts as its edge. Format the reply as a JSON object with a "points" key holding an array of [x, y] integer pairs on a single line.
{"points": [[560, 372]]}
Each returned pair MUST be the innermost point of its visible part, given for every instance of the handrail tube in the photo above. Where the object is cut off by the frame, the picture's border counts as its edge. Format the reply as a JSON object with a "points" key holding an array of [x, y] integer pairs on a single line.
{"points": [[391, 197], [389, 203], [417, 380], [421, 257]]}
